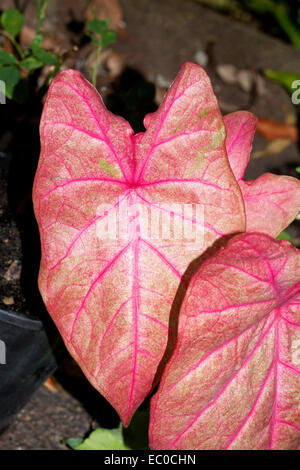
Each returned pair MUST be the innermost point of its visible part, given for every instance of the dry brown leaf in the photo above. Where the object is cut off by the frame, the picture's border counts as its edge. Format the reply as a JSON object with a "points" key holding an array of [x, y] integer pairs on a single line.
{"points": [[273, 148], [272, 130], [13, 273], [54, 385], [8, 300], [115, 64]]}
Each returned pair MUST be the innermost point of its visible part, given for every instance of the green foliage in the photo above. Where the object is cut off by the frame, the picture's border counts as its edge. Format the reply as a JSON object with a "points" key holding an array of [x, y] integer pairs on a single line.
{"points": [[136, 435], [282, 13], [285, 79], [7, 59], [100, 439], [99, 34], [73, 442], [41, 11], [10, 75], [108, 37], [12, 21], [278, 16], [97, 26], [101, 37], [285, 236], [36, 57], [40, 54], [31, 59], [31, 64]]}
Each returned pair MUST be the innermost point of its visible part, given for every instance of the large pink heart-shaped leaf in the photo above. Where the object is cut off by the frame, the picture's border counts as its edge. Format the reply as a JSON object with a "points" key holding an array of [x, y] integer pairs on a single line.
{"points": [[233, 381], [109, 287], [272, 201]]}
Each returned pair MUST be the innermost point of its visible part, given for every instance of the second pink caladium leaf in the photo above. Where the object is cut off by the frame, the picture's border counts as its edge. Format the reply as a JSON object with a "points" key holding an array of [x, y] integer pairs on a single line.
{"points": [[234, 379], [271, 201], [109, 287]]}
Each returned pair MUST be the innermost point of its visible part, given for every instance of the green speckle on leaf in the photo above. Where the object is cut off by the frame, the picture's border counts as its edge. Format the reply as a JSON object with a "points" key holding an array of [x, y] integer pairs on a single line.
{"points": [[110, 169], [200, 156], [219, 137], [203, 113], [199, 160]]}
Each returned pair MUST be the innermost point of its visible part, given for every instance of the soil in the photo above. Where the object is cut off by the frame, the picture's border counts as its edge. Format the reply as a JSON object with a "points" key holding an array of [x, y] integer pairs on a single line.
{"points": [[154, 39], [11, 295], [29, 431]]}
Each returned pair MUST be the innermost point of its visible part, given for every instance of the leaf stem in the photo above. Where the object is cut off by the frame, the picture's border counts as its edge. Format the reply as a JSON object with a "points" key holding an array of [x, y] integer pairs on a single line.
{"points": [[54, 71], [282, 16], [14, 43], [41, 8], [96, 65]]}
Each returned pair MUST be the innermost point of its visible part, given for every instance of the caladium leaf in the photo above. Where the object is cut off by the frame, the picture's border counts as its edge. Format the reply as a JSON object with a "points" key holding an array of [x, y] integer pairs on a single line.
{"points": [[271, 201], [240, 129], [233, 381], [109, 289]]}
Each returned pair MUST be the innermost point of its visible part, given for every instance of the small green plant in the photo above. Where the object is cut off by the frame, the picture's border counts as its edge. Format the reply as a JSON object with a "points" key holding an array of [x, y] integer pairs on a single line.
{"points": [[287, 79], [285, 236], [135, 436], [13, 66], [280, 17], [99, 439], [101, 37], [29, 60], [283, 14]]}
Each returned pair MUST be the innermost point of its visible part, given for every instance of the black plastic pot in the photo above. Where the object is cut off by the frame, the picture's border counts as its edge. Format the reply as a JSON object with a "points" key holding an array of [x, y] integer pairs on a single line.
{"points": [[27, 358]]}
